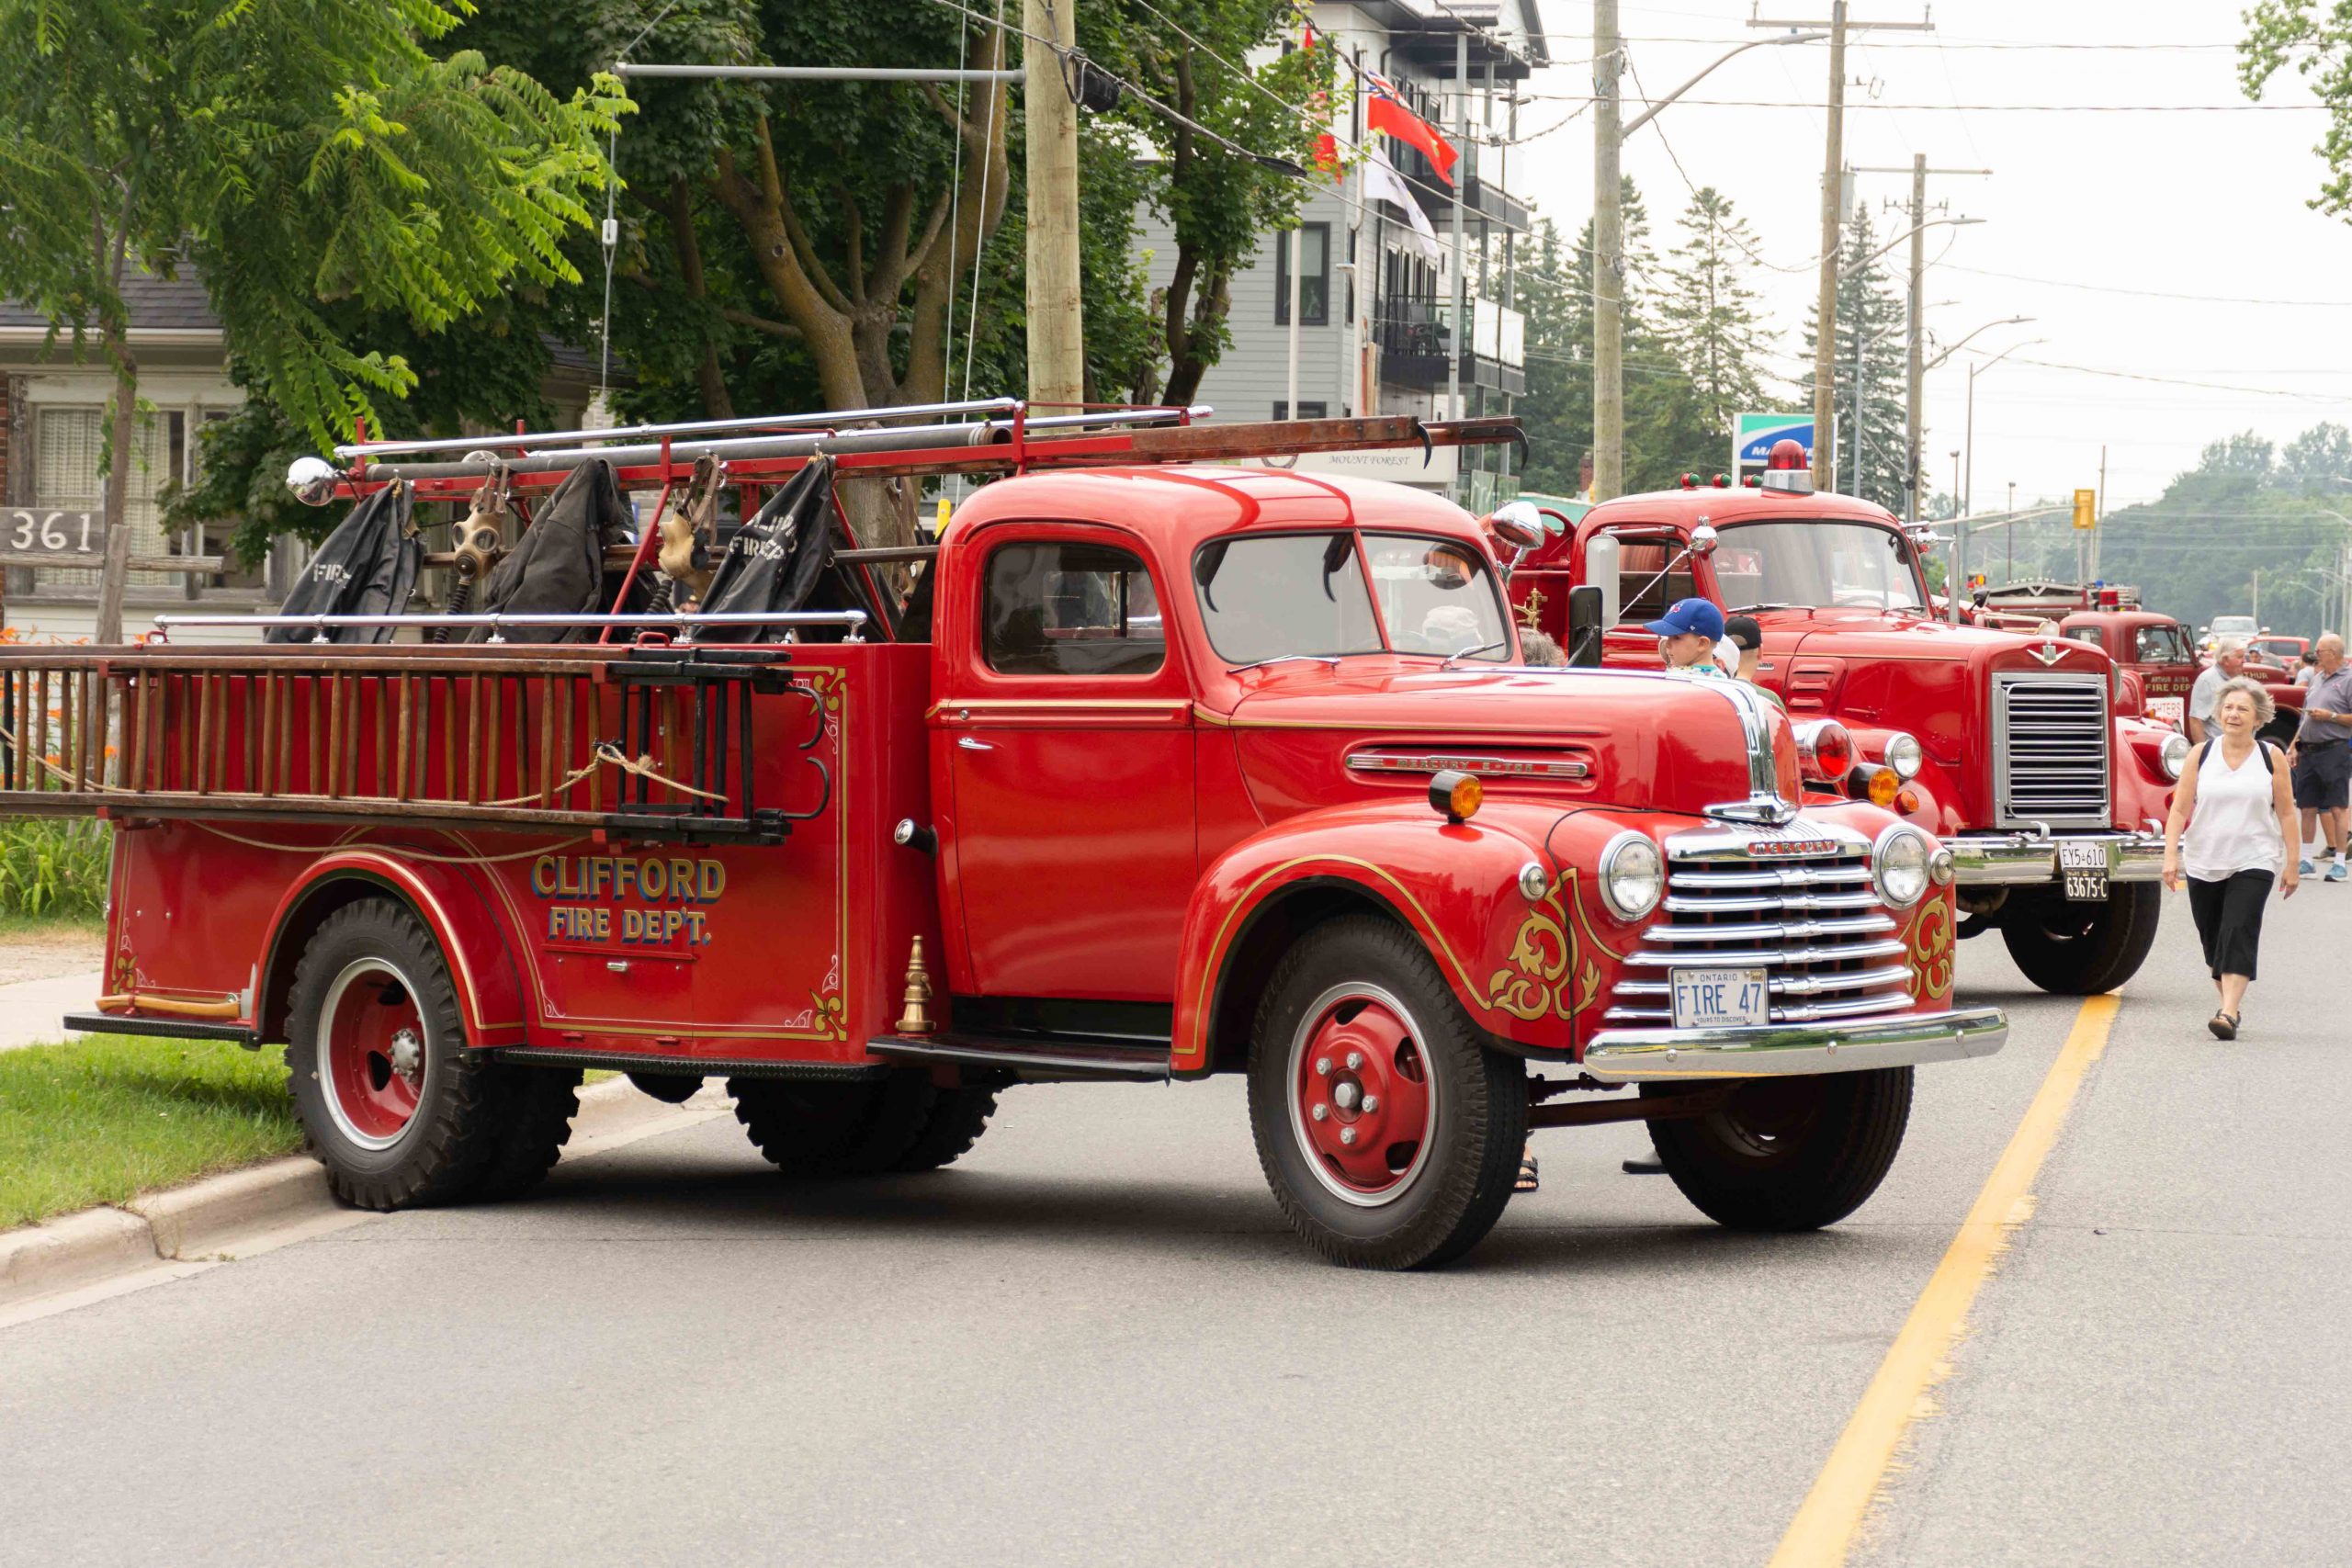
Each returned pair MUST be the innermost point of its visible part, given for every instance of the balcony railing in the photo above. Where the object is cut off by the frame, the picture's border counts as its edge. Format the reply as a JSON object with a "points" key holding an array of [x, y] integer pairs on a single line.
{"points": [[1416, 335], [1482, 198]]}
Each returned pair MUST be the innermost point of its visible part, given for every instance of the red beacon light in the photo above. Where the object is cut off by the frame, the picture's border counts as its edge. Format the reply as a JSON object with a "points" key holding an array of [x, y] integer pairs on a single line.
{"points": [[1723, 482], [1787, 468], [1689, 481]]}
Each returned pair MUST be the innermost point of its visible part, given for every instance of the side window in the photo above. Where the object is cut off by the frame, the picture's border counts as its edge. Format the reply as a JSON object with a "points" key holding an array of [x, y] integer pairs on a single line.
{"points": [[1056, 608], [1642, 594]]}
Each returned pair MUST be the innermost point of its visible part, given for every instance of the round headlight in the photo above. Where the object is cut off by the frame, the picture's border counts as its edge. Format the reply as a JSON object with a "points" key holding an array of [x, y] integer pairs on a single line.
{"points": [[2175, 755], [1632, 876], [1905, 755], [1899, 865]]}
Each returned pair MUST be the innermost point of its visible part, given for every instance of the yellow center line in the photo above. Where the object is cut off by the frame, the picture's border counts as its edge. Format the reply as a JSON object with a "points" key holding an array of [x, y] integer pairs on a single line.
{"points": [[1824, 1530]]}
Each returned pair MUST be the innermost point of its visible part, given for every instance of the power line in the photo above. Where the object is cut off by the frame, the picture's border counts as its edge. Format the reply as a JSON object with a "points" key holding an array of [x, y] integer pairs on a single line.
{"points": [[1981, 108], [2158, 294]]}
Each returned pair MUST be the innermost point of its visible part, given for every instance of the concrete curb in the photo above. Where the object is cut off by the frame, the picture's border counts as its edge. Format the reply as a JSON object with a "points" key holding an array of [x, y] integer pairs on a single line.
{"points": [[199, 1221]]}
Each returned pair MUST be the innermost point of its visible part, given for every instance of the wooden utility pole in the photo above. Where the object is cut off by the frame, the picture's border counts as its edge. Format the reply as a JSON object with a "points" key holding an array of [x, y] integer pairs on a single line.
{"points": [[1608, 258], [1056, 340], [1914, 476], [1825, 348]]}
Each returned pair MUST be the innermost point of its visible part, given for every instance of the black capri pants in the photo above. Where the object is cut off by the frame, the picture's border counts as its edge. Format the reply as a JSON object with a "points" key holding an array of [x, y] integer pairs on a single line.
{"points": [[2229, 919]]}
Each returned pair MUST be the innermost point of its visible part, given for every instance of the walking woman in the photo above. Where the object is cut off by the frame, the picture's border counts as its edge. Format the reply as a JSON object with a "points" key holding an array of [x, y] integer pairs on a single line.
{"points": [[2232, 829]]}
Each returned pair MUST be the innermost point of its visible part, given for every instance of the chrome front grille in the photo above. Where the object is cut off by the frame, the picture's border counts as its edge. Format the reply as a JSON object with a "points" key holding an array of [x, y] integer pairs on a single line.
{"points": [[1812, 922], [2049, 750]]}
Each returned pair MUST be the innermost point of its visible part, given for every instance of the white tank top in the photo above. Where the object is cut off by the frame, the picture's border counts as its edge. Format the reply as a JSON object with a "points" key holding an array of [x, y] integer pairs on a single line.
{"points": [[2236, 825]]}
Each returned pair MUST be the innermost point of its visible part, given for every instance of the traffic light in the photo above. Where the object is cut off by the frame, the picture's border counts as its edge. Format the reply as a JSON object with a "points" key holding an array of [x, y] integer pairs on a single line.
{"points": [[2086, 509]]}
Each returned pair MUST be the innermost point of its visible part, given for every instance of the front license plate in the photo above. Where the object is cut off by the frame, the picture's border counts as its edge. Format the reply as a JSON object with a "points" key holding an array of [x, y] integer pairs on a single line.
{"points": [[2083, 864], [1720, 998], [2169, 709]]}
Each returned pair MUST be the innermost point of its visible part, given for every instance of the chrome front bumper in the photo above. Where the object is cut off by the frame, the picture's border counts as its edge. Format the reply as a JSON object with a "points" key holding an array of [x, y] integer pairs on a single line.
{"points": [[2003, 860], [1903, 1040]]}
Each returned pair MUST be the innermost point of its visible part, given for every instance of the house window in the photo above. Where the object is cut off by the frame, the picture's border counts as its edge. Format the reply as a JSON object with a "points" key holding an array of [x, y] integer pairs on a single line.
{"points": [[1313, 277], [1307, 409]]}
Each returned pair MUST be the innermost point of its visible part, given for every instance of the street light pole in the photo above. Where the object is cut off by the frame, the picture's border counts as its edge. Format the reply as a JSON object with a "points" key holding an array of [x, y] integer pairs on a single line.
{"points": [[1968, 442], [1609, 231]]}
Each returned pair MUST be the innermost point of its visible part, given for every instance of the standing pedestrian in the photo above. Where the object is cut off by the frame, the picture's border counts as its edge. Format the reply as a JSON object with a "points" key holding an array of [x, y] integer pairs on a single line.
{"points": [[1687, 636], [2233, 831], [2321, 758], [2229, 663]]}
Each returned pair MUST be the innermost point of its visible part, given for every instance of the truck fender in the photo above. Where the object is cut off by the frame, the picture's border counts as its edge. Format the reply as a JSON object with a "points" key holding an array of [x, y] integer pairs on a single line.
{"points": [[471, 936], [1456, 887]]}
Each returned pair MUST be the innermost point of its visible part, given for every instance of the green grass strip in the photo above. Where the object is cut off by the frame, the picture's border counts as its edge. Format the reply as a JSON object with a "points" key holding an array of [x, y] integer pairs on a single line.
{"points": [[109, 1116]]}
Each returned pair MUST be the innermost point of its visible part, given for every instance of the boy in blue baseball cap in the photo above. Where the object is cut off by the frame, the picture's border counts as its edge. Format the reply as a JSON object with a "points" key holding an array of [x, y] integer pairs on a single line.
{"points": [[1687, 636]]}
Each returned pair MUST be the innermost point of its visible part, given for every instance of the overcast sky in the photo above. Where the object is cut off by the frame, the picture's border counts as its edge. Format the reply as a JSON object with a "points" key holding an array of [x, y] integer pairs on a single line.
{"points": [[2174, 203]]}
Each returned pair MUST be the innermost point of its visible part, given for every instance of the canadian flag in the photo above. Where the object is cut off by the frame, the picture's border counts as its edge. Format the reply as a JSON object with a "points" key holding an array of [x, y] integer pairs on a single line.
{"points": [[1384, 111]]}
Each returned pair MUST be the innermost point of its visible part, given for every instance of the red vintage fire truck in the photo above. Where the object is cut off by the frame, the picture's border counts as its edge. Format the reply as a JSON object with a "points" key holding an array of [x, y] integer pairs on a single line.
{"points": [[1162, 770], [2008, 748]]}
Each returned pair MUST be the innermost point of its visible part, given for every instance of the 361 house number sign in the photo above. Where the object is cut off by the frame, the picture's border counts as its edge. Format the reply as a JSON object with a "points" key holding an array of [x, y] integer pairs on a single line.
{"points": [[26, 530]]}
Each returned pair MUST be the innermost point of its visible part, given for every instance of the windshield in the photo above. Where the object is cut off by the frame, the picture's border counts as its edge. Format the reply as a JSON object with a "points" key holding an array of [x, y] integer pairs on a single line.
{"points": [[2234, 626], [1816, 565], [2164, 645], [1304, 595]]}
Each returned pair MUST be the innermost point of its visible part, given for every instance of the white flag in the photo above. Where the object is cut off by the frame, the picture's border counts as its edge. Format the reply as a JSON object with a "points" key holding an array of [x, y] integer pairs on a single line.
{"points": [[1383, 183]]}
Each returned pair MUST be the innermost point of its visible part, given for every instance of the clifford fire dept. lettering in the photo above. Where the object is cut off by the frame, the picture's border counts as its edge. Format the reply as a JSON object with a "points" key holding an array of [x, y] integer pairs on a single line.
{"points": [[608, 879]]}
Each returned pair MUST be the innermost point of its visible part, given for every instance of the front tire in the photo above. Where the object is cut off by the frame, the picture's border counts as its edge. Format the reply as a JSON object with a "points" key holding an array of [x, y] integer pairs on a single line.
{"points": [[1389, 1131], [1791, 1154], [392, 1102], [2082, 950]]}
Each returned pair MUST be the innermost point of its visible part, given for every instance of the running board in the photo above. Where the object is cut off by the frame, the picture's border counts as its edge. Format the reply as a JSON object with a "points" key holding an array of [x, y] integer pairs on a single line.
{"points": [[162, 1028], [1031, 1057]]}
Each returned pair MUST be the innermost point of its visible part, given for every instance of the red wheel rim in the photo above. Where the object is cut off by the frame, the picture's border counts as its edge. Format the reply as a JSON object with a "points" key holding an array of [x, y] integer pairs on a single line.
{"points": [[372, 1054], [1363, 1105]]}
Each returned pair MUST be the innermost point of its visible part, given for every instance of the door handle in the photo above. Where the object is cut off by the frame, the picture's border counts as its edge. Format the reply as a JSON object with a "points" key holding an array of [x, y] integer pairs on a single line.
{"points": [[968, 744]]}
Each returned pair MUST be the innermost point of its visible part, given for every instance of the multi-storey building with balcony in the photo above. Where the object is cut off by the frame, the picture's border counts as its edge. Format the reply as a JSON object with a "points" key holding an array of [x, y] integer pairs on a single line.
{"points": [[1377, 332]]}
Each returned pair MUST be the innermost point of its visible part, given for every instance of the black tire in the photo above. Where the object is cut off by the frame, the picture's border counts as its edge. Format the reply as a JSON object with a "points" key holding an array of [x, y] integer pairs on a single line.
{"points": [[379, 965], [541, 1102], [958, 1117], [1455, 1175], [670, 1088], [834, 1129], [1790, 1154], [2081, 949]]}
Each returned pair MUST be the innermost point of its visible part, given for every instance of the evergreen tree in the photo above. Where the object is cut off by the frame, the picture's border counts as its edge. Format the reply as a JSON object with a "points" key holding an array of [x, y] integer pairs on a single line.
{"points": [[1869, 304], [1556, 288], [1708, 317]]}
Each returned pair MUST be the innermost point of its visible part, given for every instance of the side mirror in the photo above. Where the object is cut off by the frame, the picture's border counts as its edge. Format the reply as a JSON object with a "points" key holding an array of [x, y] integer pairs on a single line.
{"points": [[1586, 622], [1600, 571], [1702, 540], [1517, 523], [312, 480]]}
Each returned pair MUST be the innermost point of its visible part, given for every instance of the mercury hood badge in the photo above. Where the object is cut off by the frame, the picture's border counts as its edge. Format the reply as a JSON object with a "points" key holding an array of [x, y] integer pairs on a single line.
{"points": [[2049, 653]]}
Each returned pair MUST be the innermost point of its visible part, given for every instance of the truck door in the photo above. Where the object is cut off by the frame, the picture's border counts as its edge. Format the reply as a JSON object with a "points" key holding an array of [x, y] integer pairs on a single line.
{"points": [[1066, 720]]}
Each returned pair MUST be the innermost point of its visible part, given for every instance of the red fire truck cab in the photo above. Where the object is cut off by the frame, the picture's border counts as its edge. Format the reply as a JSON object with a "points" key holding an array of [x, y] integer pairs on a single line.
{"points": [[1166, 771], [2008, 748]]}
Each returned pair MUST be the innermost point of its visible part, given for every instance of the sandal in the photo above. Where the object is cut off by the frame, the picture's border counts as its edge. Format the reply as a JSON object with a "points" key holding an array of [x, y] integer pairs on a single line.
{"points": [[1527, 1179], [2224, 1025]]}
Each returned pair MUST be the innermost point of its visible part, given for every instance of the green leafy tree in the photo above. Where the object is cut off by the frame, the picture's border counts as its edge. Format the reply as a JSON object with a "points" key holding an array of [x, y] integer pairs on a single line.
{"points": [[1219, 203], [1868, 305], [299, 154], [2316, 40]]}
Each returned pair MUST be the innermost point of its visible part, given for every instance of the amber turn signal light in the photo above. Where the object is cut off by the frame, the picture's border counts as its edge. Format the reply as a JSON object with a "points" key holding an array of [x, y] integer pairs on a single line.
{"points": [[1456, 795], [1885, 783]]}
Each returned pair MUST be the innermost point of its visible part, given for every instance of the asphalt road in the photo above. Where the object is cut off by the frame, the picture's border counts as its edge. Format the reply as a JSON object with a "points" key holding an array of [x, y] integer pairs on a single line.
{"points": [[1093, 1342]]}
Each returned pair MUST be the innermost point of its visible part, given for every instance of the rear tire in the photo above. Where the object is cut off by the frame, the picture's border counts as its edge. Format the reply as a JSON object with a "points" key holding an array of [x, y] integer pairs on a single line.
{"points": [[2082, 950], [834, 1129], [541, 1102], [958, 1117], [1790, 1154], [392, 1101], [1418, 1144]]}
